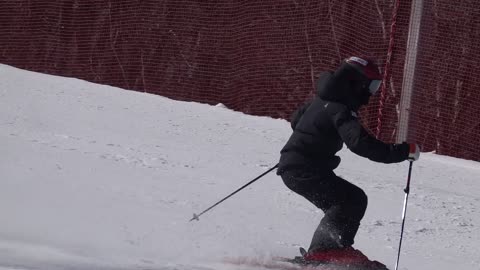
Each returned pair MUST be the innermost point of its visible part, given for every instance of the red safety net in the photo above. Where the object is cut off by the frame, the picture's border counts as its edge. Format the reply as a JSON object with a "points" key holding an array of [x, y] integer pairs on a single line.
{"points": [[260, 57], [445, 107]]}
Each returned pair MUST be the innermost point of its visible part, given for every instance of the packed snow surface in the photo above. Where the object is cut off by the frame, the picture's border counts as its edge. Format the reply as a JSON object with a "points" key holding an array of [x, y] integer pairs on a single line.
{"points": [[96, 177]]}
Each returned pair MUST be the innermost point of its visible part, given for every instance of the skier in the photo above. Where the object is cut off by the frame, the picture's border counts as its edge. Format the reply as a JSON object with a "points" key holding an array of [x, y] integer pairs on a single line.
{"points": [[308, 159]]}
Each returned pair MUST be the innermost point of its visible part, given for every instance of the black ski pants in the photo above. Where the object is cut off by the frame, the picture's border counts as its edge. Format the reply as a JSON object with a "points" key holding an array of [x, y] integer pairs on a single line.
{"points": [[343, 203]]}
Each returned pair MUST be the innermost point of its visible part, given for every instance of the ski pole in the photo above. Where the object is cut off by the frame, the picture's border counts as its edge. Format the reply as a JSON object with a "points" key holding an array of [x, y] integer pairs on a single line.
{"points": [[407, 191], [195, 216]]}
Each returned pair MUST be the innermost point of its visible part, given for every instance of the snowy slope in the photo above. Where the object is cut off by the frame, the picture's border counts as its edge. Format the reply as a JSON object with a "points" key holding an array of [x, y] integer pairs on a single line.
{"points": [[95, 177]]}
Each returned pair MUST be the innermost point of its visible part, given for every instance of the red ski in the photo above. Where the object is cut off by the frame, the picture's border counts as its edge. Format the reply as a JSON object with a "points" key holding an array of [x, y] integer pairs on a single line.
{"points": [[280, 263], [309, 262]]}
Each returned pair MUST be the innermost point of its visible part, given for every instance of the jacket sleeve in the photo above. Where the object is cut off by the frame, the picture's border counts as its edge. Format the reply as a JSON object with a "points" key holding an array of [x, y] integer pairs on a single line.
{"points": [[359, 141]]}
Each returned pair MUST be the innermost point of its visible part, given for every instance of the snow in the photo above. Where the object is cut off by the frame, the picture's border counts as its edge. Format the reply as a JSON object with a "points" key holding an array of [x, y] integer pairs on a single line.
{"points": [[96, 177]]}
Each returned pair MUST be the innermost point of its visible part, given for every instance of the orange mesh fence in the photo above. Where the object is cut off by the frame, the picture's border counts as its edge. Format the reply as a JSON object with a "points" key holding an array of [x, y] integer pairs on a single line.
{"points": [[259, 57]]}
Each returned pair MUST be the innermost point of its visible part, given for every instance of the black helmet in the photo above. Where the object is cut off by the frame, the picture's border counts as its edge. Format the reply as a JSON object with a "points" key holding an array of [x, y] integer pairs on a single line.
{"points": [[359, 79], [369, 70]]}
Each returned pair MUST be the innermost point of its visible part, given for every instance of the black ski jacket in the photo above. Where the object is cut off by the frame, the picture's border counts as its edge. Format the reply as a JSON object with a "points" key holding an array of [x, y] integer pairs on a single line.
{"points": [[322, 126]]}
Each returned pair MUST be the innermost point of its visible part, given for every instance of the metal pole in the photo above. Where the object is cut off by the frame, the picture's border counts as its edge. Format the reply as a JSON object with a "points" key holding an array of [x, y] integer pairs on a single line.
{"points": [[412, 53], [195, 216], [407, 192]]}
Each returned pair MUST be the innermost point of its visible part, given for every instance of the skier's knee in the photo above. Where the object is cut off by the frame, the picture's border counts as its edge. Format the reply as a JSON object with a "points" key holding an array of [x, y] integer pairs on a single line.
{"points": [[357, 204]]}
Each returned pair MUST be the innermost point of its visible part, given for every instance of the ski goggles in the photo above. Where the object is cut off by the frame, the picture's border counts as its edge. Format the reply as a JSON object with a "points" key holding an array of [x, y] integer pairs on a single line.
{"points": [[374, 86]]}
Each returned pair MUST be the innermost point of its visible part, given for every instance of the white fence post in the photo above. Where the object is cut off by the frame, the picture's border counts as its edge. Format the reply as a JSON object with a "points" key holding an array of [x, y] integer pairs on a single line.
{"points": [[409, 70]]}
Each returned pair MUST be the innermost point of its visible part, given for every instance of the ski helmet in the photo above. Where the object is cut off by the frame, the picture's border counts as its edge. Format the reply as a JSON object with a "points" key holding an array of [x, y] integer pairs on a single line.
{"points": [[369, 70]]}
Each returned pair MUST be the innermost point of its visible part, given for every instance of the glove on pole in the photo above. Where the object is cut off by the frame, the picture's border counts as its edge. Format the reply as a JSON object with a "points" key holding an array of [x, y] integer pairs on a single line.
{"points": [[195, 216], [407, 191]]}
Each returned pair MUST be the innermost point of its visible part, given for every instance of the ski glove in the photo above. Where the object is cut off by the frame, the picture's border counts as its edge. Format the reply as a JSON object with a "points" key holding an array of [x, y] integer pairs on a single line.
{"points": [[414, 152]]}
